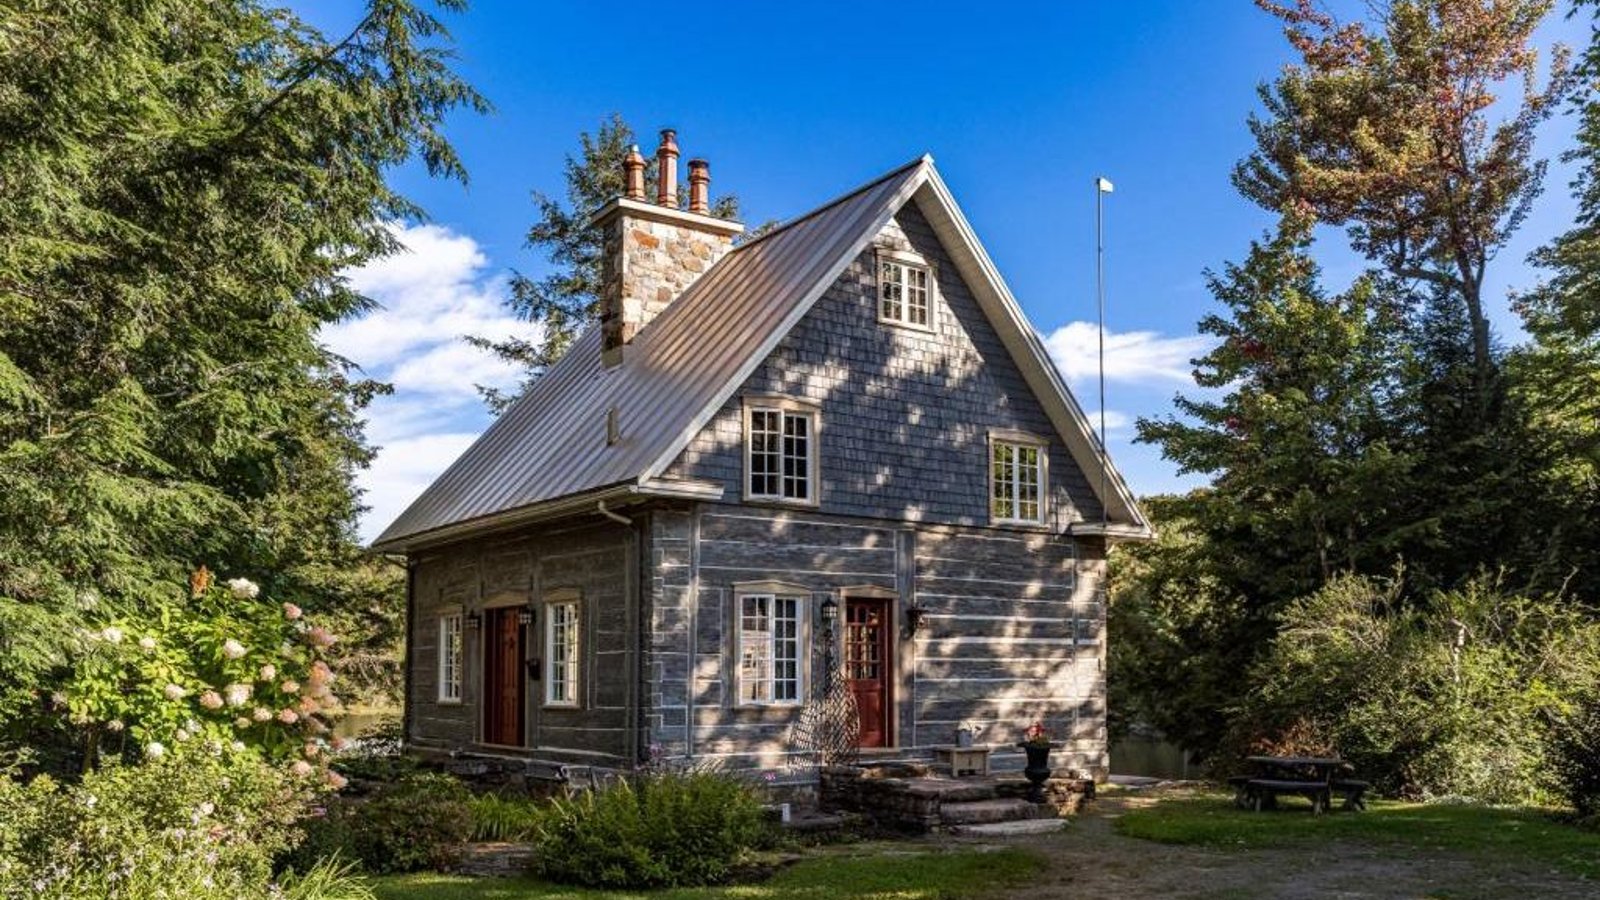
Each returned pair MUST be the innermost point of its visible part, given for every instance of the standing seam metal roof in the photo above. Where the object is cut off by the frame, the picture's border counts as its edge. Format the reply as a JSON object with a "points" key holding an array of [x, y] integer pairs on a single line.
{"points": [[551, 443]]}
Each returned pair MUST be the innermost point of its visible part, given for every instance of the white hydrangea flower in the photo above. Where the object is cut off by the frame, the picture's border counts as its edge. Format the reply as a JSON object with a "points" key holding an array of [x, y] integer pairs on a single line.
{"points": [[244, 588], [147, 643], [112, 634], [236, 694], [174, 692], [154, 750], [232, 649]]}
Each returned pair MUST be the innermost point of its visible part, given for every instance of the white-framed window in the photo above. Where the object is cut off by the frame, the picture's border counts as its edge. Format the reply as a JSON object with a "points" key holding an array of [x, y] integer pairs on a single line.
{"points": [[780, 451], [1016, 480], [561, 653], [450, 658], [905, 289], [771, 667]]}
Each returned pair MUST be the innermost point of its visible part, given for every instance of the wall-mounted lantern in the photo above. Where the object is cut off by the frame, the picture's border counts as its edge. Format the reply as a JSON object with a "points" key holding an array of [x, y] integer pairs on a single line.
{"points": [[830, 611], [525, 615], [474, 619], [916, 617]]}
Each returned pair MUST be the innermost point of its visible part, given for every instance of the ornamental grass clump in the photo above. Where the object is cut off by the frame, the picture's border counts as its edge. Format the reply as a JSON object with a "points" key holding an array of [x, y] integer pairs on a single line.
{"points": [[667, 830]]}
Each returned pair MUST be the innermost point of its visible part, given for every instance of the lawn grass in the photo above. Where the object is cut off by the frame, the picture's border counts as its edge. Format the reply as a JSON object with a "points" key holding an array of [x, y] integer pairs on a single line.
{"points": [[881, 873], [1212, 820]]}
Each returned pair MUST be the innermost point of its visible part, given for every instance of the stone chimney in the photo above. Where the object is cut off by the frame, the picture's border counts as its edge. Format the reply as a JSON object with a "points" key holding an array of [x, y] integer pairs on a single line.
{"points": [[652, 252]]}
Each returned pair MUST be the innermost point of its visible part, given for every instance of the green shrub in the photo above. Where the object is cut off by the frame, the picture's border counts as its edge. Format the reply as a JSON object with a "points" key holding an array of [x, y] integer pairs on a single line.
{"points": [[1575, 746], [1448, 700], [188, 825], [417, 823], [497, 818], [659, 831]]}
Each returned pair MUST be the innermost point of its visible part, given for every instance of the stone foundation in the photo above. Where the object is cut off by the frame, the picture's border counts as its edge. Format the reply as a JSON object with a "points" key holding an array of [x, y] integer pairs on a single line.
{"points": [[902, 798]]}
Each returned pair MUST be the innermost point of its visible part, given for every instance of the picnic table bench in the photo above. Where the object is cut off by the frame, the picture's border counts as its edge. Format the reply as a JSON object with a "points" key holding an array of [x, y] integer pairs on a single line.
{"points": [[1315, 778]]}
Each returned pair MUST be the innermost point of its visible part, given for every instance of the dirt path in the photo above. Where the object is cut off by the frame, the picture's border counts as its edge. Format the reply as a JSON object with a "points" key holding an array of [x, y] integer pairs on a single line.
{"points": [[1089, 859]]}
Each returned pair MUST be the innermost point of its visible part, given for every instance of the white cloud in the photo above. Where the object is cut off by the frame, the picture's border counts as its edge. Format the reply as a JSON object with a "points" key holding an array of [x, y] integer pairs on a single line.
{"points": [[403, 469], [1131, 356], [430, 297]]}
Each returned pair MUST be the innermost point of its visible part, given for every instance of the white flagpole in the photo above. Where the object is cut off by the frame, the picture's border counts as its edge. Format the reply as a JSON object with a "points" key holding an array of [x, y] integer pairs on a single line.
{"points": [[1102, 187]]}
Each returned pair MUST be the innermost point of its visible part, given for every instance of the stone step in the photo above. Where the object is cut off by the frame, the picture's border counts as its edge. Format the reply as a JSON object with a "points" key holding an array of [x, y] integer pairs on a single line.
{"points": [[1018, 828], [981, 811], [952, 791]]}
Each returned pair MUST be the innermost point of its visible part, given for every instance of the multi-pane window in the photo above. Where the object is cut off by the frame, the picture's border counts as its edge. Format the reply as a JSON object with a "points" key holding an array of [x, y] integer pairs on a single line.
{"points": [[781, 454], [769, 649], [1017, 475], [561, 654], [450, 658], [903, 293]]}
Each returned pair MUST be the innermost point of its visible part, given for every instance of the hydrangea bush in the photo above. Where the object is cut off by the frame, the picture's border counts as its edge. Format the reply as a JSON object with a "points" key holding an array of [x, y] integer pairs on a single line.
{"points": [[227, 668], [195, 823]]}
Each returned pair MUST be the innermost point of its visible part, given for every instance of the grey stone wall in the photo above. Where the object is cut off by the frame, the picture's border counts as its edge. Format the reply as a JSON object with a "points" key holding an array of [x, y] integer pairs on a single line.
{"points": [[1012, 633], [519, 567], [905, 413]]}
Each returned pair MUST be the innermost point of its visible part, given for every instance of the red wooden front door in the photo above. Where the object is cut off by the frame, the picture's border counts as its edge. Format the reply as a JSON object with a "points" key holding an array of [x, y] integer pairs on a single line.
{"points": [[503, 697], [868, 668]]}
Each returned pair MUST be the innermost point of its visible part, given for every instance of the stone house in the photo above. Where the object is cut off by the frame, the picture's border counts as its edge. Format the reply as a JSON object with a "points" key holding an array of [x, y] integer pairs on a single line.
{"points": [[834, 448]]}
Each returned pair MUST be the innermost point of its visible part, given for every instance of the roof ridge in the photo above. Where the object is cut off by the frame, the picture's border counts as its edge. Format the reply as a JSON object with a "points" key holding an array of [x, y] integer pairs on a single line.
{"points": [[786, 225]]}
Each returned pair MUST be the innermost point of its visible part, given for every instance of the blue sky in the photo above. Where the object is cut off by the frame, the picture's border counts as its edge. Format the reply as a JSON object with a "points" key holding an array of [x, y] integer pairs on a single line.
{"points": [[1021, 105]]}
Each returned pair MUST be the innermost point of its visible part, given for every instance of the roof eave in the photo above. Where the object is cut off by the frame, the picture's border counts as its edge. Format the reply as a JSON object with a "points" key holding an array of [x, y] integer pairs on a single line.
{"points": [[555, 508]]}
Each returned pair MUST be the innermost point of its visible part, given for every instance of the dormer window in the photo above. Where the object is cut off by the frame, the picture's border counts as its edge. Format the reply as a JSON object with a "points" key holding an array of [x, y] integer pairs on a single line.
{"points": [[905, 289], [780, 450]]}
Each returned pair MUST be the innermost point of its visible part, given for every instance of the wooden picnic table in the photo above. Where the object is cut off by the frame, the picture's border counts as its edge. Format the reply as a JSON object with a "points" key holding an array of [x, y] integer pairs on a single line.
{"points": [[1314, 777]]}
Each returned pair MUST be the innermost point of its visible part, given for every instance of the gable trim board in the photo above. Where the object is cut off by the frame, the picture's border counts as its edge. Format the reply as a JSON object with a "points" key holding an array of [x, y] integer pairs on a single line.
{"points": [[545, 436]]}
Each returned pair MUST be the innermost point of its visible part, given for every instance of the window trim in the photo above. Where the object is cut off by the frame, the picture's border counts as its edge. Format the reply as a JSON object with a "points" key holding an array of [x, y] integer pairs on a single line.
{"points": [[999, 436], [548, 642], [773, 591], [905, 259], [784, 406], [460, 647]]}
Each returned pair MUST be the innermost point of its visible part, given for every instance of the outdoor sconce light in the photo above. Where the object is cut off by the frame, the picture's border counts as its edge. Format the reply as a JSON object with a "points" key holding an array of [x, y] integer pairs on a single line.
{"points": [[915, 618], [830, 611], [474, 619], [525, 616]]}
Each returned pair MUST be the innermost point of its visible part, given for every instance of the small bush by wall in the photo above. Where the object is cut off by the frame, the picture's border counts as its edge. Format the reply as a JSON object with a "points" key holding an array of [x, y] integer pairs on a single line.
{"points": [[418, 823], [664, 830], [497, 818]]}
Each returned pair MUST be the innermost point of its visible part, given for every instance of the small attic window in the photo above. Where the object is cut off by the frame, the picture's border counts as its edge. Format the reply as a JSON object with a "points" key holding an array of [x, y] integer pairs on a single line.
{"points": [[905, 289]]}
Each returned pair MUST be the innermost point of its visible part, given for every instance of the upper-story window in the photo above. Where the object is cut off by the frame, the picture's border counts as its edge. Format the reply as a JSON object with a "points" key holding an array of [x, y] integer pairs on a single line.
{"points": [[905, 289], [780, 450], [1016, 479]]}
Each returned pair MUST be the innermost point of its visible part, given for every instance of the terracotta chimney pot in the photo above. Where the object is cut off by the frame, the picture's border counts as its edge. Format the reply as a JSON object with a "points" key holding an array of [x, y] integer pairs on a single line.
{"points": [[700, 187], [667, 169], [633, 172]]}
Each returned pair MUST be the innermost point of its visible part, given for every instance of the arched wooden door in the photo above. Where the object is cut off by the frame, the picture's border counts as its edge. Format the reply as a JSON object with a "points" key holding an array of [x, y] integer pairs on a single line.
{"points": [[868, 667]]}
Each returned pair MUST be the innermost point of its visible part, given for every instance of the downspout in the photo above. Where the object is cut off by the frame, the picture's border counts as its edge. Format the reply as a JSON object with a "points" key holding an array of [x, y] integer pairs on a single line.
{"points": [[636, 672], [606, 511], [408, 643]]}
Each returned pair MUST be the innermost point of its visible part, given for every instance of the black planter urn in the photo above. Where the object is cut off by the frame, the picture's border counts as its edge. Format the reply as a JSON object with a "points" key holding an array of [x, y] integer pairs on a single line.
{"points": [[1038, 770]]}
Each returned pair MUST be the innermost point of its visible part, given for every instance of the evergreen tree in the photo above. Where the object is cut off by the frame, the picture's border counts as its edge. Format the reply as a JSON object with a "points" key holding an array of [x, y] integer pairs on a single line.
{"points": [[184, 182], [567, 300], [1386, 129], [1311, 480]]}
